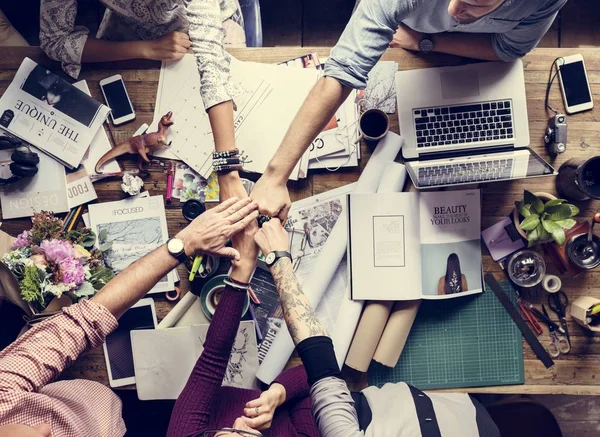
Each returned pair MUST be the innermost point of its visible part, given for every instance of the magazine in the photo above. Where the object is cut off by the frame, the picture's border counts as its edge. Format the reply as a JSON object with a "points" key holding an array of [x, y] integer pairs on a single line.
{"points": [[50, 113], [404, 246], [134, 227], [46, 191]]}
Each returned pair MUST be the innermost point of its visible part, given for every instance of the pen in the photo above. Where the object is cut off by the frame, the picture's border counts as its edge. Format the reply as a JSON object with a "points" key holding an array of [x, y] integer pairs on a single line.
{"points": [[170, 176], [75, 218], [253, 315], [195, 267]]}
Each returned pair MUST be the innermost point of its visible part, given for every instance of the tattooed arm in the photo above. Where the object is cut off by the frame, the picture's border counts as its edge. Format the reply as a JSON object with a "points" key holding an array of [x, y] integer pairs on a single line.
{"points": [[297, 311]]}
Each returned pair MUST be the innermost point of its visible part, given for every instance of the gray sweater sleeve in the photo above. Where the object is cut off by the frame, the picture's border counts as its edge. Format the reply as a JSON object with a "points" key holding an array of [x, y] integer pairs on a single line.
{"points": [[333, 408]]}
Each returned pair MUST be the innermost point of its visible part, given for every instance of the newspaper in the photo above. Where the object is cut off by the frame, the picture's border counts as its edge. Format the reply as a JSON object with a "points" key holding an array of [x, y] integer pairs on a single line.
{"points": [[309, 224], [50, 113]]}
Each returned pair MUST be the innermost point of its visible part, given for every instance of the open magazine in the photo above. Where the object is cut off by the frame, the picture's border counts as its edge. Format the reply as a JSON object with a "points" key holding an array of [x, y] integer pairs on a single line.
{"points": [[405, 246], [50, 113]]}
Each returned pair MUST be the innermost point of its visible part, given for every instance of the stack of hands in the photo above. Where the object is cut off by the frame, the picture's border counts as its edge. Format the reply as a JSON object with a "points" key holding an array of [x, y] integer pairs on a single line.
{"points": [[236, 219]]}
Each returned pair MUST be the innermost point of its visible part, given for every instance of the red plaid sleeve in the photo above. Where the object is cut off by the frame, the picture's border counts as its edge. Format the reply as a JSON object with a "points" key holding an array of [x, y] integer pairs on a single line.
{"points": [[42, 353]]}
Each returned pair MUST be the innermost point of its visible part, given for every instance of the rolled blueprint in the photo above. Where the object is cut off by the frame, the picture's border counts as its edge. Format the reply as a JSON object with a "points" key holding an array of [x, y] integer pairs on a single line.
{"points": [[178, 310], [332, 253], [396, 332], [375, 315], [369, 330]]}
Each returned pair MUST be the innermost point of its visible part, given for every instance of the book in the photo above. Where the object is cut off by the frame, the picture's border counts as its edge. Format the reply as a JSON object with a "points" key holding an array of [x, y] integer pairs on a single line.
{"points": [[134, 227], [404, 246], [48, 112], [46, 191]]}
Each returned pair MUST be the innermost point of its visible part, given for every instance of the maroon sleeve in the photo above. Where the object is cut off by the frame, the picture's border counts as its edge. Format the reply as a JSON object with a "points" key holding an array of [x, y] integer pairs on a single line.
{"points": [[193, 408], [295, 382]]}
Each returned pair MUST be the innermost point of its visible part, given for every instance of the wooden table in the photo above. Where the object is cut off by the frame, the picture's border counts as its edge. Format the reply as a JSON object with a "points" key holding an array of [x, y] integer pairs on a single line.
{"points": [[574, 373]]}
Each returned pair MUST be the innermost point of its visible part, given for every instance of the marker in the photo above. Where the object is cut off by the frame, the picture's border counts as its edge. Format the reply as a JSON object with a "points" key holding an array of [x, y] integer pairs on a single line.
{"points": [[170, 177], [253, 296], [195, 267]]}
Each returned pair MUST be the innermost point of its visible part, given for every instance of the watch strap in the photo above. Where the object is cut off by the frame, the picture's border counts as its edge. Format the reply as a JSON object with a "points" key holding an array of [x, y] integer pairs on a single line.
{"points": [[280, 254]]}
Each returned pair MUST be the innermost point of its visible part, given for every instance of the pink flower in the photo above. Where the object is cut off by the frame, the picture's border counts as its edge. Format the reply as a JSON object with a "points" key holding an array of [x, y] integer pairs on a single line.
{"points": [[57, 250], [72, 271], [22, 239]]}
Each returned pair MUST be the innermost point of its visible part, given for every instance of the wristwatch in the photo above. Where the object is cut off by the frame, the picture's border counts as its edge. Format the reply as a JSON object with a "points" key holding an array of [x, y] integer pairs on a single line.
{"points": [[176, 249], [272, 257], [426, 44]]}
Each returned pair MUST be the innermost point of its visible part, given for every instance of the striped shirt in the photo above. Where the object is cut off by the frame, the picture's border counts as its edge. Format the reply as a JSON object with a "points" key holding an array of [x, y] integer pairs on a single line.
{"points": [[29, 365]]}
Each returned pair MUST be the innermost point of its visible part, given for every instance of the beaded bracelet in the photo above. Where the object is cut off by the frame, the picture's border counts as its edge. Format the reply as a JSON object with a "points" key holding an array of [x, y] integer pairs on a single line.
{"points": [[221, 161], [226, 153]]}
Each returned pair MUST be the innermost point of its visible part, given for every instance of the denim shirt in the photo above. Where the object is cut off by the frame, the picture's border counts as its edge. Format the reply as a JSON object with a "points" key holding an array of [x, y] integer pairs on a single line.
{"points": [[516, 27]]}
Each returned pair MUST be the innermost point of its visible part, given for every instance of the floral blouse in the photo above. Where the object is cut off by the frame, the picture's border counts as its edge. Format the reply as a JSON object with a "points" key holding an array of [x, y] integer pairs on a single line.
{"points": [[211, 24]]}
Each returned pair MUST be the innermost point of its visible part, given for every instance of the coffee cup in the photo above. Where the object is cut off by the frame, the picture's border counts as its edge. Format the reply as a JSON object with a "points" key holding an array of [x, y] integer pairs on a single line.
{"points": [[373, 124]]}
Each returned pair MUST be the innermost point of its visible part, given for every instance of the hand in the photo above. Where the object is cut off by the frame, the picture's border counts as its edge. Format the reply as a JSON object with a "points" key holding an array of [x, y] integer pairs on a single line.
{"points": [[244, 243], [272, 236], [272, 197], [406, 38], [267, 403], [169, 47], [210, 231]]}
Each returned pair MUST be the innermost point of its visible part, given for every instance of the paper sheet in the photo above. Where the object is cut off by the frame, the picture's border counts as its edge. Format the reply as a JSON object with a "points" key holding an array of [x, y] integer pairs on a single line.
{"points": [[332, 254], [271, 96], [164, 358]]}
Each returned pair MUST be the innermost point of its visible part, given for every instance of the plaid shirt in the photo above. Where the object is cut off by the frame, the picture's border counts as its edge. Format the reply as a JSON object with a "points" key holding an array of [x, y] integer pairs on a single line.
{"points": [[73, 408]]}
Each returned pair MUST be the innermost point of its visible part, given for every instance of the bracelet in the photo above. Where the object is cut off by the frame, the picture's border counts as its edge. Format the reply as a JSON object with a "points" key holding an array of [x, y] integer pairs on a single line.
{"points": [[221, 161], [227, 168], [235, 284], [226, 153]]}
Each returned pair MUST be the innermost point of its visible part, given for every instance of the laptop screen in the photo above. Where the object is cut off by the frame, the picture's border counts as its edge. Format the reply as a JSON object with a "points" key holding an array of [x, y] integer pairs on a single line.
{"points": [[466, 167]]}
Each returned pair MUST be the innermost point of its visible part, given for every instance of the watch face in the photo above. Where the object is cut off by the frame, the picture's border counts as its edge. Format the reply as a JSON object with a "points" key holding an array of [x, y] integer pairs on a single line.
{"points": [[270, 258], [426, 45], [175, 246]]}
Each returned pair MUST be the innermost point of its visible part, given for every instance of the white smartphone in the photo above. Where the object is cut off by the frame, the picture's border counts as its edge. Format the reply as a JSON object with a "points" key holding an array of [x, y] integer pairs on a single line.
{"points": [[117, 348], [574, 84], [117, 99]]}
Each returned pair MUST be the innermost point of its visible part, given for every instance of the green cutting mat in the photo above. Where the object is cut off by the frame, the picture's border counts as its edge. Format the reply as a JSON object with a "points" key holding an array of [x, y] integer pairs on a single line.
{"points": [[464, 342]]}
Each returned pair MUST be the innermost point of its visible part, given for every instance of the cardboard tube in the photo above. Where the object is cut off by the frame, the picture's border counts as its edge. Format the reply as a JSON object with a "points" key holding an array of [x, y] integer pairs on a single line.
{"points": [[396, 332], [371, 326]]}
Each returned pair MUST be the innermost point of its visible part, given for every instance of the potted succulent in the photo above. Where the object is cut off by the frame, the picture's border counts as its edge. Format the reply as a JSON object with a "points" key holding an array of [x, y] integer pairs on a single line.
{"points": [[542, 217]]}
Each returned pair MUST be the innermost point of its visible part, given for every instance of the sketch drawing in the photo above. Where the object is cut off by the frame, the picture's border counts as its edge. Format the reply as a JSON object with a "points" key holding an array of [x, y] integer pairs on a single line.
{"points": [[131, 240], [381, 91]]}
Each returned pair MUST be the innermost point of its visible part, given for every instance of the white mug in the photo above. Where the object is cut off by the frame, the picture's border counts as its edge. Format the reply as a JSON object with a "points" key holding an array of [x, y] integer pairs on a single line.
{"points": [[373, 124]]}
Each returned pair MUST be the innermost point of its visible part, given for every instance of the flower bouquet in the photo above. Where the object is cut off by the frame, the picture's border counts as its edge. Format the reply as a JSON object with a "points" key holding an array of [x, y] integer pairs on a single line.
{"points": [[51, 263]]}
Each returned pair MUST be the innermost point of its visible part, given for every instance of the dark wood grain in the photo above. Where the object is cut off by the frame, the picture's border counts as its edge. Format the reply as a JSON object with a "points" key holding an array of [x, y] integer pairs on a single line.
{"points": [[575, 373]]}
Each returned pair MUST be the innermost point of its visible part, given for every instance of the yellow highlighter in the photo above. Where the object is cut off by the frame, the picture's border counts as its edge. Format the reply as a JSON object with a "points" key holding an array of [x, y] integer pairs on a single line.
{"points": [[195, 267]]}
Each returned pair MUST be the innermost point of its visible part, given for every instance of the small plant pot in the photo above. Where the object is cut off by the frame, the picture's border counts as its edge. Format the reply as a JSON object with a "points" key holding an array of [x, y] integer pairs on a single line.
{"points": [[516, 217], [579, 310]]}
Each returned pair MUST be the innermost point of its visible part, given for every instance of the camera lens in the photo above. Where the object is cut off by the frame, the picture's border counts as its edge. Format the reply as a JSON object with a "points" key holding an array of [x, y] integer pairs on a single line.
{"points": [[192, 209]]}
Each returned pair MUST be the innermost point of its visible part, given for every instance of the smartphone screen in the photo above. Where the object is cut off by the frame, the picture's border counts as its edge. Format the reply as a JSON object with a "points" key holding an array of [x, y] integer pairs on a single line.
{"points": [[116, 97], [575, 83]]}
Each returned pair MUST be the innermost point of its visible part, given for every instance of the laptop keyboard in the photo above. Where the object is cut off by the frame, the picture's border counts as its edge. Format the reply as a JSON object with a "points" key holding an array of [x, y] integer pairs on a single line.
{"points": [[481, 122], [494, 169]]}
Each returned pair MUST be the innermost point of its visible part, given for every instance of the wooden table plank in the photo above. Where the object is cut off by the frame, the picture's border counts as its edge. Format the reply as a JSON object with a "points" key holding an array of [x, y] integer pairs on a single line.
{"points": [[573, 374]]}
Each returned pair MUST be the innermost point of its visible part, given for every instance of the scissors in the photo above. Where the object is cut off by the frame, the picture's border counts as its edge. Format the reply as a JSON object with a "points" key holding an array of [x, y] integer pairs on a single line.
{"points": [[558, 303], [558, 341]]}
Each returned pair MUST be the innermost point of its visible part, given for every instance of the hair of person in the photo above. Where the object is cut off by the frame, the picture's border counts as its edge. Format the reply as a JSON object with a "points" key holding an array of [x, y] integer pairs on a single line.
{"points": [[453, 280]]}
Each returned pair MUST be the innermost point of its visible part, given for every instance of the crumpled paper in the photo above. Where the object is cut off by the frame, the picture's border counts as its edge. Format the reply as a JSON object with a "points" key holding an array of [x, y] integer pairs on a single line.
{"points": [[132, 185]]}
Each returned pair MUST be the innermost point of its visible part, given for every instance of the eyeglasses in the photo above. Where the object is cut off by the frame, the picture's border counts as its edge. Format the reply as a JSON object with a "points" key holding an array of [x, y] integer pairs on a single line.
{"points": [[216, 432]]}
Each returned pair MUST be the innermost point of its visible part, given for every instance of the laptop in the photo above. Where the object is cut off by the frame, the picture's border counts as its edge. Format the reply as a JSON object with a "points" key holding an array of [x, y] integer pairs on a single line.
{"points": [[466, 124]]}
